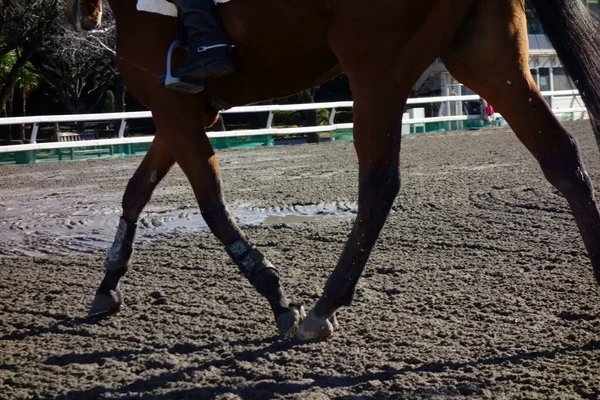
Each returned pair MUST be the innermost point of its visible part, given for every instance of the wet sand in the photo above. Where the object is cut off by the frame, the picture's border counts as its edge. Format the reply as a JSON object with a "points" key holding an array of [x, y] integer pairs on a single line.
{"points": [[479, 286]]}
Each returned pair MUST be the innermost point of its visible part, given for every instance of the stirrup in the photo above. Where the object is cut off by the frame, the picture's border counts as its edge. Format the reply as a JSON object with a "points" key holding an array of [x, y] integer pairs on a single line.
{"points": [[173, 82]]}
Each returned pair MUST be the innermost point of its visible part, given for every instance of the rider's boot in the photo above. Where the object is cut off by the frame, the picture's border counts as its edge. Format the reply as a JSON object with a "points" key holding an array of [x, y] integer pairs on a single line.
{"points": [[209, 47]]}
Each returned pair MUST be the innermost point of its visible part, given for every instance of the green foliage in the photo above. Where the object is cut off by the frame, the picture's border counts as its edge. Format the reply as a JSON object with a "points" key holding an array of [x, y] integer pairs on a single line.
{"points": [[323, 116], [109, 102], [6, 63], [294, 118], [28, 79], [287, 118]]}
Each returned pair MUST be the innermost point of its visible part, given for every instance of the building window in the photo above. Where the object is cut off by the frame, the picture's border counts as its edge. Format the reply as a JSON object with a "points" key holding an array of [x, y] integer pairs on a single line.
{"points": [[534, 74], [544, 79], [562, 81], [534, 26]]}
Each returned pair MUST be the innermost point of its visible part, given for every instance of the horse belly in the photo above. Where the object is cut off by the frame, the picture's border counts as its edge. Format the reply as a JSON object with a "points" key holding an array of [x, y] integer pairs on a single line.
{"points": [[280, 48]]}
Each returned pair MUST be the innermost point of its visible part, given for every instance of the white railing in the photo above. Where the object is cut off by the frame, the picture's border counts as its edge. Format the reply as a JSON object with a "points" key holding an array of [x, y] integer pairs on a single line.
{"points": [[268, 130]]}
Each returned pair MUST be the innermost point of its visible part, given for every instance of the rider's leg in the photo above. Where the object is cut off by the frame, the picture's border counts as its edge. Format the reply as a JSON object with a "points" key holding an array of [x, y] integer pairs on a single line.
{"points": [[209, 47]]}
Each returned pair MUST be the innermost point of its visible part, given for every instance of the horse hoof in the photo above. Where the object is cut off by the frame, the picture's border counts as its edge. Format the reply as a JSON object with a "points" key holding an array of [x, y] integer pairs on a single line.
{"points": [[288, 322], [334, 322], [316, 328], [104, 304]]}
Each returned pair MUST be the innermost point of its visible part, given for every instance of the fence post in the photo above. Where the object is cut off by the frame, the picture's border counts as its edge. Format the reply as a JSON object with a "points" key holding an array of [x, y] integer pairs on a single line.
{"points": [[270, 126], [332, 122], [34, 133], [123, 149], [122, 128], [270, 120]]}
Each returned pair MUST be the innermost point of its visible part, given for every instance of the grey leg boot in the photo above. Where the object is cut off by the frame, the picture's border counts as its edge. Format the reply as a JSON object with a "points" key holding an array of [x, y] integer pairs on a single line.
{"points": [[209, 47]]}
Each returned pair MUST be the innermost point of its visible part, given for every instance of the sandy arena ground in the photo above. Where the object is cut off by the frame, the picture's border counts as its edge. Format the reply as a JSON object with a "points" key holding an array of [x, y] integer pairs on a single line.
{"points": [[479, 286]]}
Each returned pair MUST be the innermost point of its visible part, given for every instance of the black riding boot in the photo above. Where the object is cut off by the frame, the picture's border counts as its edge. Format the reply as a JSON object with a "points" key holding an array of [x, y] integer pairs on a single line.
{"points": [[209, 47]]}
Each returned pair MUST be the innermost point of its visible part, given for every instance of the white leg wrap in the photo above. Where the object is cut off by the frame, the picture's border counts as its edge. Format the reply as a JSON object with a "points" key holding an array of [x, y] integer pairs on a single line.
{"points": [[120, 252]]}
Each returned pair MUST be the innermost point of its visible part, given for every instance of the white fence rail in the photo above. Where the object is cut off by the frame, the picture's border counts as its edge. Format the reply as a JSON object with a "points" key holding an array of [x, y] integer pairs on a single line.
{"points": [[268, 130]]}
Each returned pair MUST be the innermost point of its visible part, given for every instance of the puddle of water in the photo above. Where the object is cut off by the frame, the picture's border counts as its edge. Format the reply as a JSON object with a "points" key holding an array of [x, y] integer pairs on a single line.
{"points": [[27, 230], [300, 219]]}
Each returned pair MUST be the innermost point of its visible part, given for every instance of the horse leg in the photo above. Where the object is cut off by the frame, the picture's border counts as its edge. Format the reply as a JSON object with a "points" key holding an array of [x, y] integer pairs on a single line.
{"points": [[377, 132], [194, 154], [383, 58], [156, 164], [490, 55]]}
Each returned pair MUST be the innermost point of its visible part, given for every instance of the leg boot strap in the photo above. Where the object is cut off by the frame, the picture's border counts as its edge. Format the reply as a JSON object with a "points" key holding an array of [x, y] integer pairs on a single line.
{"points": [[253, 264], [120, 252]]}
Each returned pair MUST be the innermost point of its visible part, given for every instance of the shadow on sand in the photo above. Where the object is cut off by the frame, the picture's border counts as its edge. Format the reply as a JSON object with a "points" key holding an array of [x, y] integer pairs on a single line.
{"points": [[146, 388]]}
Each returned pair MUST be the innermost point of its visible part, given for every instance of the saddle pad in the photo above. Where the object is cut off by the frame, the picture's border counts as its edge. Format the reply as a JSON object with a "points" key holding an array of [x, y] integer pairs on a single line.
{"points": [[163, 7]]}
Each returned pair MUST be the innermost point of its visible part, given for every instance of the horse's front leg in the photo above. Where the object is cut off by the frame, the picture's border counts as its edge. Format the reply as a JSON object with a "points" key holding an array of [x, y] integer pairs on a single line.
{"points": [[156, 164], [194, 154]]}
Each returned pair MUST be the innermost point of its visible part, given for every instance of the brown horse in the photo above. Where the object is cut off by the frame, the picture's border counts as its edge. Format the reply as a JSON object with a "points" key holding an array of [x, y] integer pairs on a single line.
{"points": [[283, 47]]}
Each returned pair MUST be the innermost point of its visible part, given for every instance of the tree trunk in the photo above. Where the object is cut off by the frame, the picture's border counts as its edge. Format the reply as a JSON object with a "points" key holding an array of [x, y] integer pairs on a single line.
{"points": [[23, 113], [310, 116], [4, 129], [80, 127], [81, 109], [10, 113], [120, 90]]}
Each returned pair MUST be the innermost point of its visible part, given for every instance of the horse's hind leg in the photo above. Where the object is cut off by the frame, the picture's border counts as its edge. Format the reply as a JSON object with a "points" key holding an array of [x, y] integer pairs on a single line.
{"points": [[377, 143], [156, 164], [382, 68], [182, 119], [490, 55]]}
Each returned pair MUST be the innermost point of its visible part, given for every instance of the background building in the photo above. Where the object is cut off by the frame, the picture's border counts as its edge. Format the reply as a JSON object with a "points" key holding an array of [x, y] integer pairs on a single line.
{"points": [[545, 66]]}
